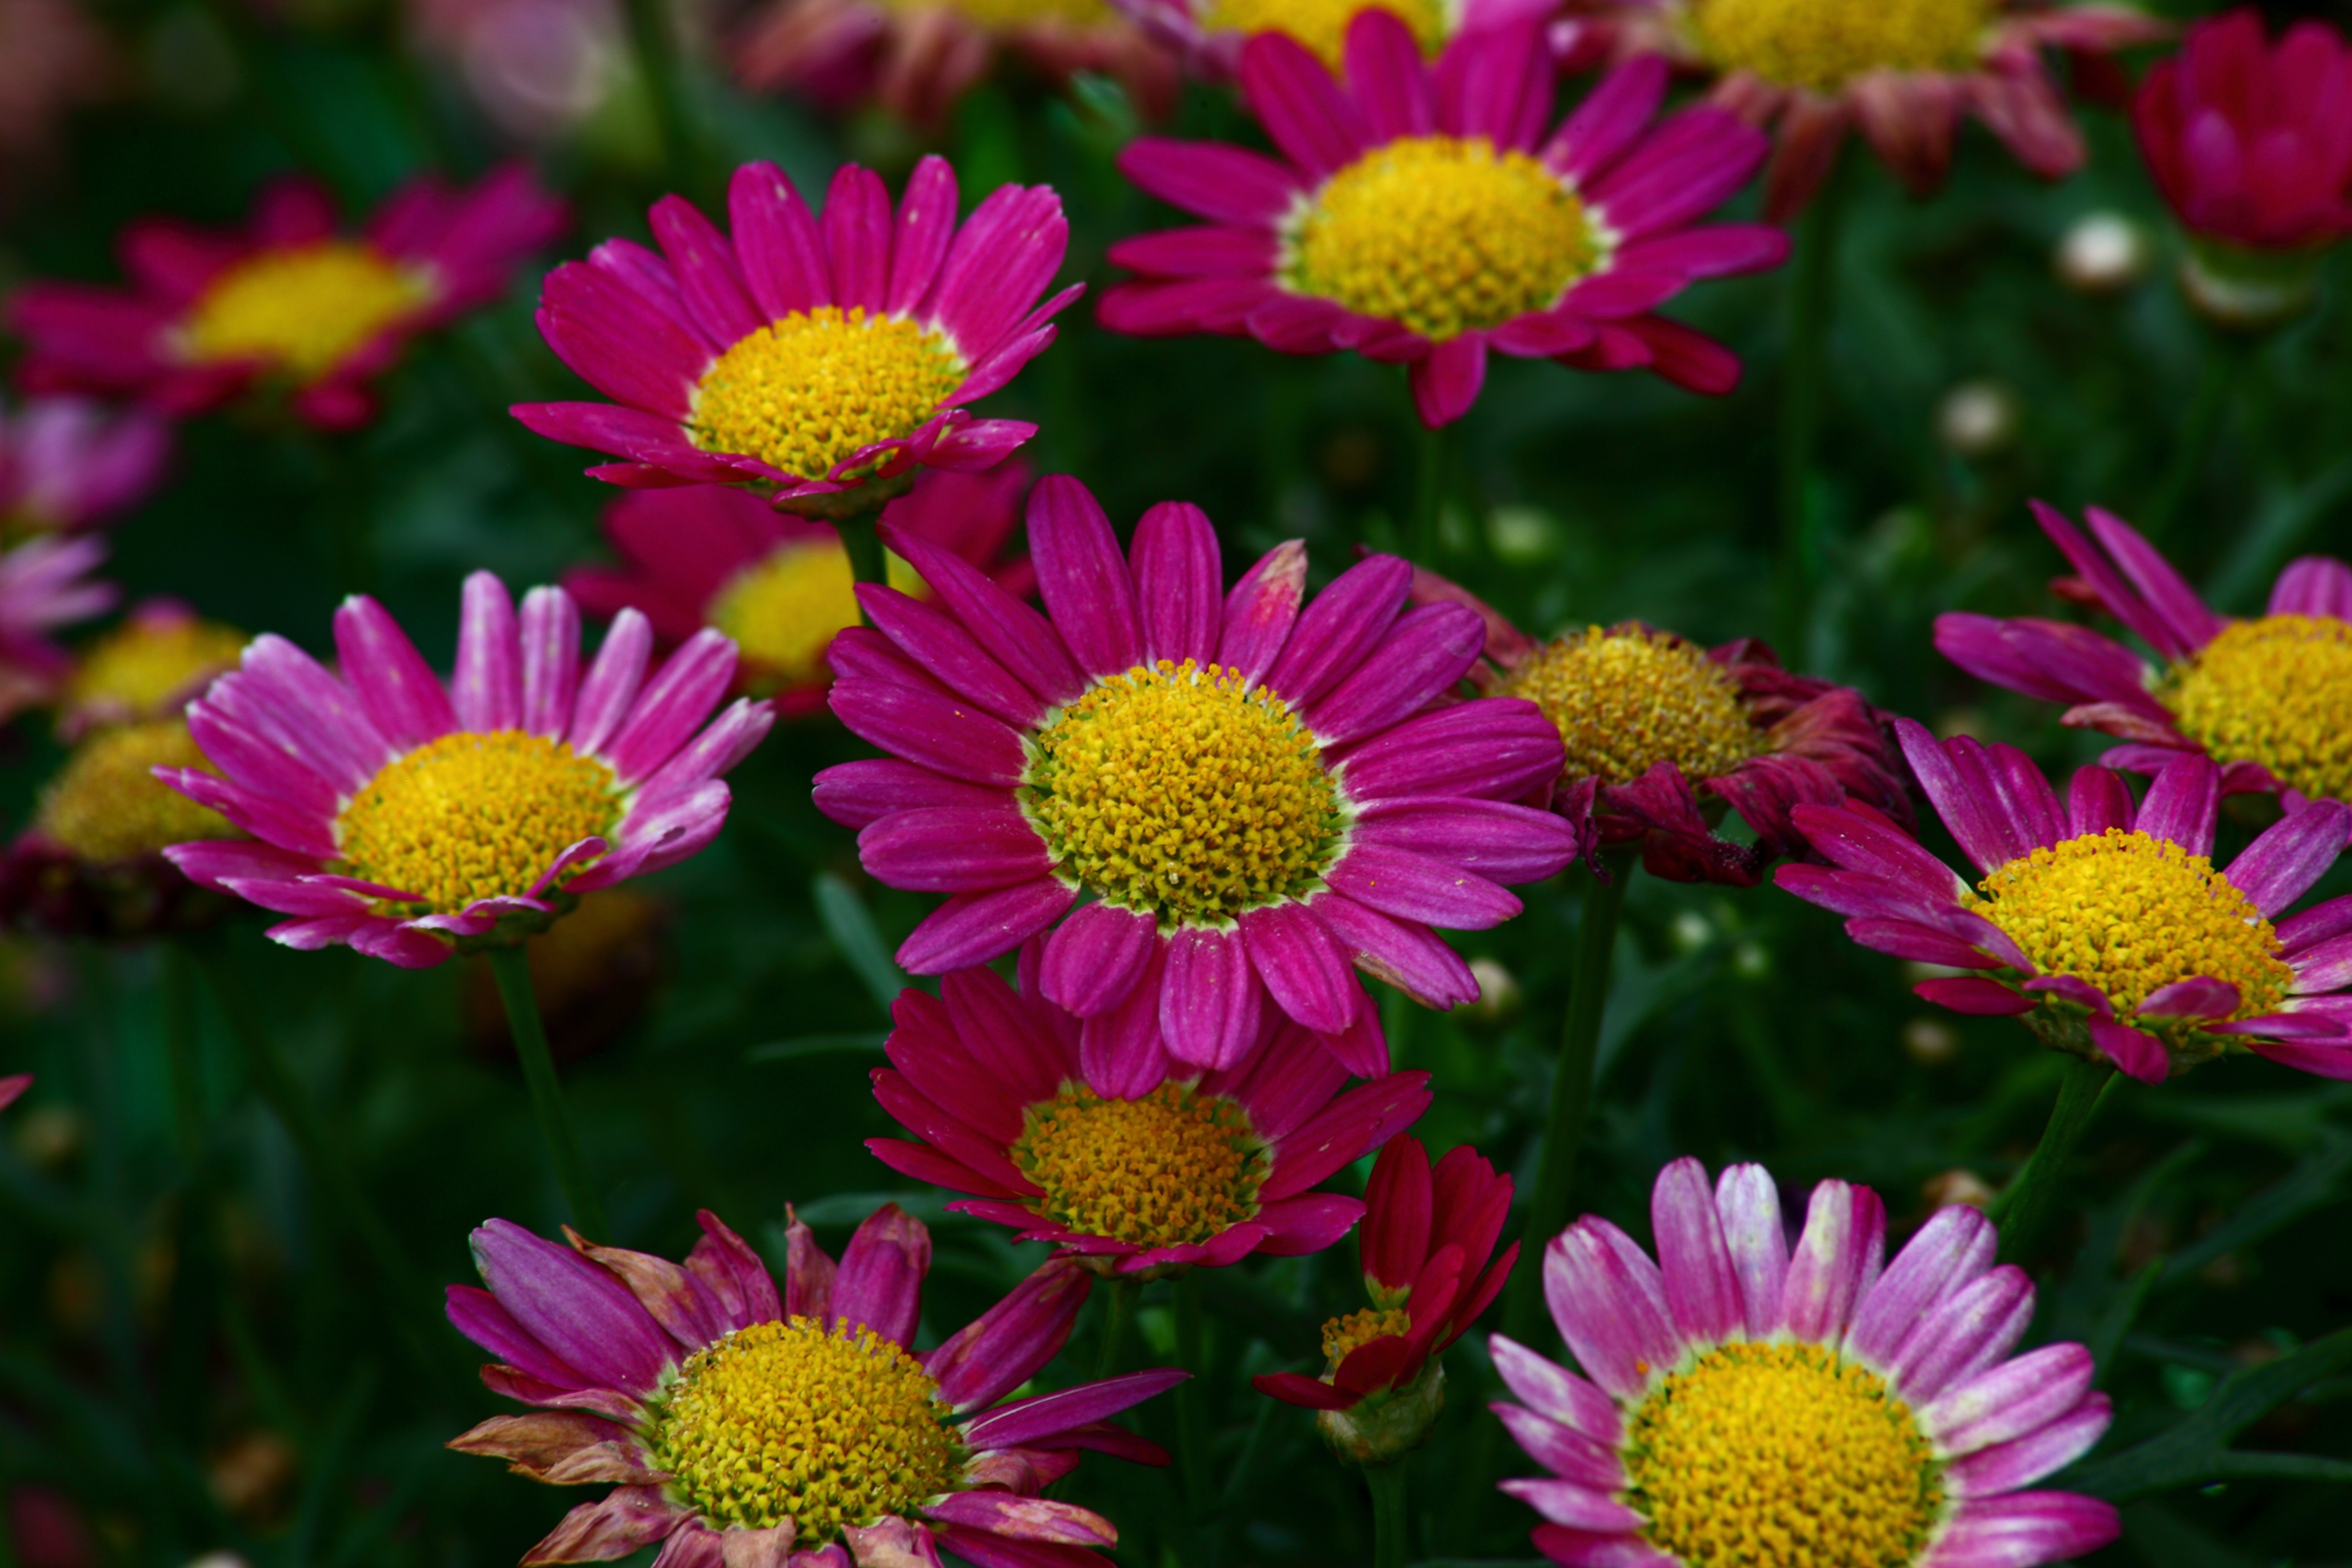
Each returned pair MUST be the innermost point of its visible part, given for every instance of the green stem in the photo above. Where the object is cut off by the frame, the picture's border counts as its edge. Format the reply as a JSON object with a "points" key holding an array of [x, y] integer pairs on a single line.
{"points": [[511, 966], [1191, 1410], [866, 562], [1391, 1548], [1571, 1093], [1429, 503], [2224, 353], [651, 39], [1811, 290], [2022, 1205], [1119, 1317]]}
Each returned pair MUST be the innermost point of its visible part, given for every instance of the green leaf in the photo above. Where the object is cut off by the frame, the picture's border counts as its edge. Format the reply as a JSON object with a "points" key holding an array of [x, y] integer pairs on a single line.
{"points": [[2196, 1449], [853, 936]]}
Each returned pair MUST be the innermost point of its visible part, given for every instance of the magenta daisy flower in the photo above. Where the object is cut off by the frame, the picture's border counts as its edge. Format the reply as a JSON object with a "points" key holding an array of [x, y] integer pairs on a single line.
{"points": [[1211, 34], [746, 1425], [12, 1087], [45, 583], [290, 302], [2267, 699], [404, 817], [714, 555], [1135, 1163], [68, 463], [825, 360], [2104, 926], [1245, 787], [1742, 1391], [1421, 220]]}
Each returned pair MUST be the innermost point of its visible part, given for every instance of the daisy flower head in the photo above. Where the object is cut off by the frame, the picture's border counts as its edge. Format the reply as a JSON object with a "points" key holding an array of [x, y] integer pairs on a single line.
{"points": [[1211, 34], [407, 817], [779, 585], [2104, 926], [68, 463], [2250, 142], [150, 666], [1135, 1164], [1244, 788], [1661, 735], [290, 303], [1429, 1234], [1420, 215], [2266, 699], [1865, 1411], [1903, 72], [820, 361], [45, 583], [12, 1086], [918, 60], [744, 1424]]}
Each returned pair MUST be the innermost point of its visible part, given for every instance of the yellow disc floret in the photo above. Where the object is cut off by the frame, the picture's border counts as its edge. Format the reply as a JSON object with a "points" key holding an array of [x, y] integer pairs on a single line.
{"points": [[1441, 232], [784, 609], [1342, 1335], [2276, 691], [475, 815], [1181, 791], [302, 310], [2128, 912], [1823, 44], [806, 391], [106, 805], [1176, 1166], [1627, 700], [1782, 1455], [791, 1420], [147, 668], [1322, 25]]}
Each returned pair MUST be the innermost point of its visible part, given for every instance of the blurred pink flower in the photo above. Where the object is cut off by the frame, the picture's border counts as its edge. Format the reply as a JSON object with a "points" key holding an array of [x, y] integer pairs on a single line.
{"points": [[67, 462]]}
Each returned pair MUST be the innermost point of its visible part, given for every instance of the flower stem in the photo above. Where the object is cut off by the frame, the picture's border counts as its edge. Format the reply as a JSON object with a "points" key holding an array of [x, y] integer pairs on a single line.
{"points": [[511, 967], [1118, 1316], [1191, 1413], [651, 39], [1572, 1092], [865, 546], [2022, 1205], [1391, 1548], [1812, 287]]}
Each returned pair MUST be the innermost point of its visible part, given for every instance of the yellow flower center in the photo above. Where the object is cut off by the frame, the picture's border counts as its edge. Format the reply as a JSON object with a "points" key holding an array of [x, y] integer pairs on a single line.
{"points": [[2130, 913], [303, 309], [1441, 232], [1181, 791], [1823, 44], [1322, 25], [106, 807], [804, 393], [1175, 1166], [1626, 700], [824, 1427], [1011, 16], [147, 669], [784, 609], [1781, 1457], [2276, 691], [475, 815], [1359, 1328]]}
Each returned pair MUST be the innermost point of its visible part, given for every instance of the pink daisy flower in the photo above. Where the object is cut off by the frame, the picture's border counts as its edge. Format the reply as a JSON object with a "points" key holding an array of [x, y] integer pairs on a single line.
{"points": [[2104, 926], [1419, 216], [648, 1374], [45, 583], [823, 360], [288, 303], [1903, 72], [1740, 1390], [779, 585], [1211, 34], [68, 463], [12, 1087], [406, 817], [2266, 699], [1245, 786], [1138, 1165]]}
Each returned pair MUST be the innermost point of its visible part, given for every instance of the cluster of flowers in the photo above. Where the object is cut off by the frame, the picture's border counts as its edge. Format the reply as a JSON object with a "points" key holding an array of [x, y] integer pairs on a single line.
{"points": [[1194, 815]]}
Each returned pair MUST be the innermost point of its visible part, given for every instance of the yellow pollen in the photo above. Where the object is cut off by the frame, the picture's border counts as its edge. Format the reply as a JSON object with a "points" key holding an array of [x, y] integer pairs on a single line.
{"points": [[784, 609], [1359, 1328], [1180, 792], [475, 815], [1825, 44], [1322, 25], [1443, 234], [2128, 913], [793, 1420], [302, 310], [1014, 15], [145, 669], [804, 393], [1781, 1456], [2276, 691], [1628, 699], [105, 806], [1175, 1166]]}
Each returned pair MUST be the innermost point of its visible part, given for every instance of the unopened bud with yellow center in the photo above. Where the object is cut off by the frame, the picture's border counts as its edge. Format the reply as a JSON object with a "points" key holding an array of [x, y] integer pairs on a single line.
{"points": [[783, 610], [806, 391], [303, 310], [150, 666], [1627, 700], [1175, 1167], [105, 806], [1322, 25], [2275, 690], [1823, 45]]}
